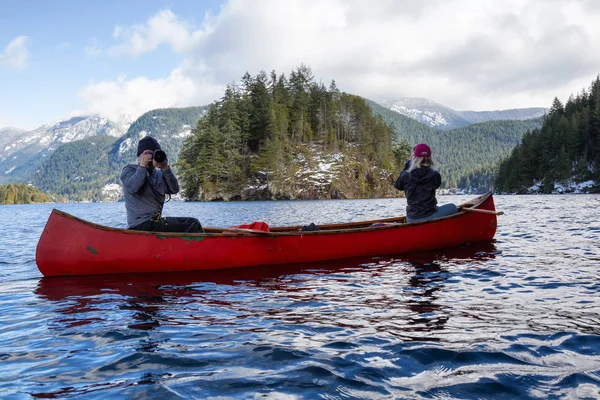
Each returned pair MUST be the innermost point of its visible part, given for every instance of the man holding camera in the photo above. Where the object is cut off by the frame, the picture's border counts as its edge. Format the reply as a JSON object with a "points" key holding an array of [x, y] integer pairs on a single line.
{"points": [[145, 185]]}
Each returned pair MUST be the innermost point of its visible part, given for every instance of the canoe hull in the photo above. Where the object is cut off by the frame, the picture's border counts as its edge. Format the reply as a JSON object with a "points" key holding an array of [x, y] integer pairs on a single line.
{"points": [[70, 246]]}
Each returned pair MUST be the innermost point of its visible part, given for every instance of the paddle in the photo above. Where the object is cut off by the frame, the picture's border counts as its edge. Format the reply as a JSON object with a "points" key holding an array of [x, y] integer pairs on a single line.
{"points": [[246, 231], [483, 211]]}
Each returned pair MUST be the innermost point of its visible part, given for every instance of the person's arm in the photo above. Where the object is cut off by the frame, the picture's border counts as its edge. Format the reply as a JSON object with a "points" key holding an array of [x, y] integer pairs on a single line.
{"points": [[169, 178], [133, 179], [401, 181], [171, 183], [406, 165], [437, 180]]}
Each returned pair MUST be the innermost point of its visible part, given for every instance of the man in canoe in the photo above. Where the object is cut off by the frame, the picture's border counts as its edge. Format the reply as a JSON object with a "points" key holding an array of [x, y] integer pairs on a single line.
{"points": [[419, 182], [145, 185]]}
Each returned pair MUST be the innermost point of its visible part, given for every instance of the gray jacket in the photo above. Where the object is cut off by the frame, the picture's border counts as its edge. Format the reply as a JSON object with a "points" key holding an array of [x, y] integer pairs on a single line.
{"points": [[145, 192]]}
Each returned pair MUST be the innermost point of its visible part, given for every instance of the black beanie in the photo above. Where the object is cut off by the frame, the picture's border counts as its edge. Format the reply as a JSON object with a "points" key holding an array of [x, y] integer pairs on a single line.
{"points": [[147, 143]]}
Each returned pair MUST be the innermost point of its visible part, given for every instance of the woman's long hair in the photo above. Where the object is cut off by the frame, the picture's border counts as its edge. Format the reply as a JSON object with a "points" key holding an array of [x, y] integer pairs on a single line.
{"points": [[418, 162]]}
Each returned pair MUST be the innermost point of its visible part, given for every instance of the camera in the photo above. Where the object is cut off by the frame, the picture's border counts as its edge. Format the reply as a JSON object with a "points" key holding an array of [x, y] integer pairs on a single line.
{"points": [[159, 156]]}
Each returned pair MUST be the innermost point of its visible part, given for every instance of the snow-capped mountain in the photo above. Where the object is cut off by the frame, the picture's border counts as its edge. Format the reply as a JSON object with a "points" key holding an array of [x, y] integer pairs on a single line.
{"points": [[442, 117], [429, 113], [21, 151], [170, 126], [8, 136]]}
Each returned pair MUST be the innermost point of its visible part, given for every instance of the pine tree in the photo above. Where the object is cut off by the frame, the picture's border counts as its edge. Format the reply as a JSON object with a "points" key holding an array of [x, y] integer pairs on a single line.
{"points": [[259, 112], [263, 125], [564, 148]]}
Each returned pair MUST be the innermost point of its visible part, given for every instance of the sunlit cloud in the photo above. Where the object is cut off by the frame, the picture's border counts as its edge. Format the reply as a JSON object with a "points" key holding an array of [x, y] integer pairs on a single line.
{"points": [[137, 95], [15, 54], [464, 54], [163, 28]]}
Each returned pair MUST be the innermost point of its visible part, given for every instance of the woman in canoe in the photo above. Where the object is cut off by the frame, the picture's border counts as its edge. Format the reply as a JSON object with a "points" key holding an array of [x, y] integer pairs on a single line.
{"points": [[419, 182], [144, 187]]}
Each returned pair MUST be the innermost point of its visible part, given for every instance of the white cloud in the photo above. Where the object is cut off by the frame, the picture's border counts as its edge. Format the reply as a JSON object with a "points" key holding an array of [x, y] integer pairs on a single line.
{"points": [[138, 95], [164, 27], [486, 54], [15, 54]]}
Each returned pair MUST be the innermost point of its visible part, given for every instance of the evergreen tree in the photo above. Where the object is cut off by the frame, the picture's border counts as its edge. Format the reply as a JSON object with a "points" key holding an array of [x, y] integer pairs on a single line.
{"points": [[259, 116], [564, 148], [262, 127]]}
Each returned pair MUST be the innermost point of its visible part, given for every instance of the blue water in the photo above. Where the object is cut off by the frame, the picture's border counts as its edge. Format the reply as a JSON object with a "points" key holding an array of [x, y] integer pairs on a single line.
{"points": [[516, 318]]}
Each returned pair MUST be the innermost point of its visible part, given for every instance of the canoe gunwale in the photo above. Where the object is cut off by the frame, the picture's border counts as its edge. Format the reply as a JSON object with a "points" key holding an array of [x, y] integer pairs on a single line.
{"points": [[327, 229]]}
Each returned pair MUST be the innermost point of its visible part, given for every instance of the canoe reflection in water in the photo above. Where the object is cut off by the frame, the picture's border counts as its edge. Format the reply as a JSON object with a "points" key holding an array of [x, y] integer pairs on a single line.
{"points": [[316, 293]]}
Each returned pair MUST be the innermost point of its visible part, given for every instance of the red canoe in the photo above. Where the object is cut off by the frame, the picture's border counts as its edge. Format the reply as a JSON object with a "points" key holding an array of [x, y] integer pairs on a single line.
{"points": [[72, 246]]}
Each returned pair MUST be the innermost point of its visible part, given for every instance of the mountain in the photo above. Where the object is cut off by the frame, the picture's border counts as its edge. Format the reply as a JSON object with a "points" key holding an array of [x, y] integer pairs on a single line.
{"points": [[429, 113], [170, 126], [403, 126], [442, 117], [469, 152], [7, 137], [77, 170], [23, 151], [275, 136], [93, 150], [90, 169], [518, 114]]}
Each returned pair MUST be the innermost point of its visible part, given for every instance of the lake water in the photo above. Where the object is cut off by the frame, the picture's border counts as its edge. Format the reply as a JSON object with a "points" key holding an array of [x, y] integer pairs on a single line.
{"points": [[517, 318]]}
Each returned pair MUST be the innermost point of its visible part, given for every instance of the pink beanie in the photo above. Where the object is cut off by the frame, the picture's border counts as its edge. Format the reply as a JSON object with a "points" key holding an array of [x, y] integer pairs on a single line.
{"points": [[422, 150]]}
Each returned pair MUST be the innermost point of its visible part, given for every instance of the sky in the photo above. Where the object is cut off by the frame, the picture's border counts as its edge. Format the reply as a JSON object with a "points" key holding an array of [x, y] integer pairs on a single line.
{"points": [[62, 58]]}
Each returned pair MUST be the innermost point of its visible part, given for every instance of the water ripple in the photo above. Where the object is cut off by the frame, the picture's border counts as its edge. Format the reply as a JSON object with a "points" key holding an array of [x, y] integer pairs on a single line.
{"points": [[517, 318]]}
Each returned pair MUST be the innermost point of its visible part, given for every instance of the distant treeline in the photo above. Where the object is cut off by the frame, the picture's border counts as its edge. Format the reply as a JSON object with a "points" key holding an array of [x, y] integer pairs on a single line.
{"points": [[19, 193], [263, 124], [567, 146], [466, 157]]}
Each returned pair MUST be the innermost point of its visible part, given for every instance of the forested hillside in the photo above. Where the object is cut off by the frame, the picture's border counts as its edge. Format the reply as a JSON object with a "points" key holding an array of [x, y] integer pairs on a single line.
{"points": [[81, 170], [78, 170], [471, 154], [466, 157], [270, 123], [565, 148], [278, 136], [21, 157], [169, 125], [403, 126]]}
